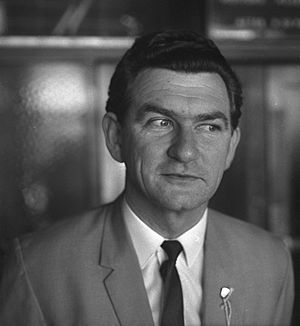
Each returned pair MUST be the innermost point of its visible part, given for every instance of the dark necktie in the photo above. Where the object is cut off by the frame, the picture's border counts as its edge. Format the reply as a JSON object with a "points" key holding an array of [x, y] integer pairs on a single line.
{"points": [[172, 312]]}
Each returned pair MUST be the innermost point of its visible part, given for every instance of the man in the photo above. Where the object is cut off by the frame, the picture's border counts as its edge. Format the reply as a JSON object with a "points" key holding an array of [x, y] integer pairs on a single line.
{"points": [[158, 255]]}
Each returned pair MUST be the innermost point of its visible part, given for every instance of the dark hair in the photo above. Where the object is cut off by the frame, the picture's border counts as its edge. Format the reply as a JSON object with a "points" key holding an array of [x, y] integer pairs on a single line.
{"points": [[183, 51]]}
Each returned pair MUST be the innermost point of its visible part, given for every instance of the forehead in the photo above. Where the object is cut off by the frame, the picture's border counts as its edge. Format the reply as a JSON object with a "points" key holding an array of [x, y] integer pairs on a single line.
{"points": [[167, 87]]}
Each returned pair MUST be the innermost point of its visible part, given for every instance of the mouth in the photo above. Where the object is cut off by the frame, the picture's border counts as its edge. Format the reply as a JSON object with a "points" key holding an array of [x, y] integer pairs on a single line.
{"points": [[181, 176]]}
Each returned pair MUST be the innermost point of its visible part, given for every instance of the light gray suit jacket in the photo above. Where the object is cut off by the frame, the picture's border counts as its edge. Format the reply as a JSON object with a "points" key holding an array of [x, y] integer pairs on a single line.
{"points": [[84, 271]]}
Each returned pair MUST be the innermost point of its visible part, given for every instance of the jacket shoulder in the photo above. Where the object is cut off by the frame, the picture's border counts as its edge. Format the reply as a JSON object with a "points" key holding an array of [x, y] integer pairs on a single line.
{"points": [[240, 228], [250, 241], [67, 238]]}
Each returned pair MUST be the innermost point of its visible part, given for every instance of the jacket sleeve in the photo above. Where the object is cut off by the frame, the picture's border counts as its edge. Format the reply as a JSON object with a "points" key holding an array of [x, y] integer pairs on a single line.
{"points": [[285, 303], [18, 304]]}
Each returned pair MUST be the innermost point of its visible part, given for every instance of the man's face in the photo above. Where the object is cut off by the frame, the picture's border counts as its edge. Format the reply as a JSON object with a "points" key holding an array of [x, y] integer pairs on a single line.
{"points": [[176, 140]]}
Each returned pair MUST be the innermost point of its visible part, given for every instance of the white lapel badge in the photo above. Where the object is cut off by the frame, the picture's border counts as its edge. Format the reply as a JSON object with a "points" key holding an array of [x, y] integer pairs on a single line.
{"points": [[225, 294]]}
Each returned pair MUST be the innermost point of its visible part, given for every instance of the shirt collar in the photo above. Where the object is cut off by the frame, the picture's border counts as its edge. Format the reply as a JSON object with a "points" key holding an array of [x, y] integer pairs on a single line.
{"points": [[192, 240], [146, 241]]}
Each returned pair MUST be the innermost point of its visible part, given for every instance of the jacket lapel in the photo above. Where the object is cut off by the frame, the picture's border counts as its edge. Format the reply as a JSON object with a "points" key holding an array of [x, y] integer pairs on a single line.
{"points": [[124, 282], [221, 269]]}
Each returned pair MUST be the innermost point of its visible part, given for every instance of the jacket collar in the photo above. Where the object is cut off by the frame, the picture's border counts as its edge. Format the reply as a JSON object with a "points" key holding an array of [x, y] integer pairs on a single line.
{"points": [[221, 270], [124, 281]]}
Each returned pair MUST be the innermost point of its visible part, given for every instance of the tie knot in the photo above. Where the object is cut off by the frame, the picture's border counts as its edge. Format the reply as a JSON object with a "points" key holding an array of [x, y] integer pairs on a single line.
{"points": [[173, 248]]}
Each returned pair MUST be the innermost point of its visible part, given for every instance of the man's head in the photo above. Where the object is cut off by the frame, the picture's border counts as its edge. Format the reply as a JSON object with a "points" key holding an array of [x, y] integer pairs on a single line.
{"points": [[181, 51], [172, 118]]}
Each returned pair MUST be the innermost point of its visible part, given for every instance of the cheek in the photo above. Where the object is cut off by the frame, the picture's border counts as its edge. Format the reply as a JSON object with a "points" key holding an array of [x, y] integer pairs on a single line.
{"points": [[150, 160], [150, 157], [217, 158], [141, 159]]}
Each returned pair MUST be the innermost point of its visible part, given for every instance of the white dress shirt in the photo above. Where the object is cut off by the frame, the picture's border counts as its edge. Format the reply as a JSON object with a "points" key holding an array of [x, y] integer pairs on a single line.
{"points": [[189, 264]]}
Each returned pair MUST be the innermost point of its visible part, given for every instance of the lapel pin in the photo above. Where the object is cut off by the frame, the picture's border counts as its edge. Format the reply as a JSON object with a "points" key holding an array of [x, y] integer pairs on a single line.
{"points": [[225, 294]]}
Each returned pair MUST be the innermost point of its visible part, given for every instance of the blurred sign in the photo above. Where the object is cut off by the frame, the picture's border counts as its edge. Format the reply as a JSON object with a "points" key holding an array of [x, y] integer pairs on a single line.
{"points": [[3, 19], [253, 18]]}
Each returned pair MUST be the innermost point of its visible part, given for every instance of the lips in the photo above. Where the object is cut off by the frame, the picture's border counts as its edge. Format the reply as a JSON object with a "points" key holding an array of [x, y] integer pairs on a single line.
{"points": [[181, 176]]}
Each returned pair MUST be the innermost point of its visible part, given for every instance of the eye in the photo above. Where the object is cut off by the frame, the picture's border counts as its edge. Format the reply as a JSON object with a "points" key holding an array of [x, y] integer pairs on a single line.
{"points": [[213, 127], [210, 127], [161, 123]]}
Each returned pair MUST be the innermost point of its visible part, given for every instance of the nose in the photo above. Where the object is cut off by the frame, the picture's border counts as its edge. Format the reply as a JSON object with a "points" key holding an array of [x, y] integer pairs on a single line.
{"points": [[184, 146]]}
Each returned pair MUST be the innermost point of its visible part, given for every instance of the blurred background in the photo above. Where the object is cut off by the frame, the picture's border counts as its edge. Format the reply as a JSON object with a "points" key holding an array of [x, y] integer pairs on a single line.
{"points": [[56, 59]]}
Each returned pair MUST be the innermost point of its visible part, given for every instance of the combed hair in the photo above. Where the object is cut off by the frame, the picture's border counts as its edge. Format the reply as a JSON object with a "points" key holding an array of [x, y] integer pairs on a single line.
{"points": [[182, 51]]}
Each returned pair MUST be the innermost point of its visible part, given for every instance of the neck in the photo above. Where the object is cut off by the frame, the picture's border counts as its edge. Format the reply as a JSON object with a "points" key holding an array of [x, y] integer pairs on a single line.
{"points": [[169, 224]]}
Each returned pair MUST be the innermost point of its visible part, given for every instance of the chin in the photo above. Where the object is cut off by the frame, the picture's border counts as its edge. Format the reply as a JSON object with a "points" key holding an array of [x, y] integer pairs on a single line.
{"points": [[181, 204]]}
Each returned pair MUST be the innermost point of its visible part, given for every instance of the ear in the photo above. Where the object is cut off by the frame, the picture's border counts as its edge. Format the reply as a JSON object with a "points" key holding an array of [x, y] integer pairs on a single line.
{"points": [[234, 141], [112, 132]]}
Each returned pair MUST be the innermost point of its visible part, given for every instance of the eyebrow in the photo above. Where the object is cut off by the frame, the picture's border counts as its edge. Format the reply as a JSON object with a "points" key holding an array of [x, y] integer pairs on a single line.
{"points": [[150, 108]]}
